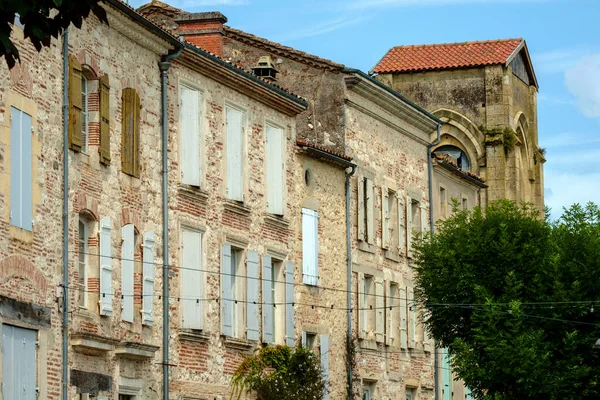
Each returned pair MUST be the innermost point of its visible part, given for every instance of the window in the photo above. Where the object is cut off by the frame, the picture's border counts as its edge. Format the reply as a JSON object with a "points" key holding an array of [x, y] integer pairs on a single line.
{"points": [[19, 363], [455, 155], [84, 114], [192, 286], [465, 203], [367, 306], [368, 391], [234, 147], [190, 145], [443, 203], [416, 221], [389, 220], [278, 299], [411, 394], [130, 132], [310, 247], [148, 278], [412, 317], [308, 340], [233, 291], [75, 104], [104, 97], [129, 239], [366, 227], [393, 323], [21, 181], [275, 169], [83, 262], [106, 290]]}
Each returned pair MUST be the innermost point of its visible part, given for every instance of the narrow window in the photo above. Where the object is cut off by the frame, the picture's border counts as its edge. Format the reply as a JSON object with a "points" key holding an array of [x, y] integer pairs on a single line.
{"points": [[275, 169], [127, 271], [130, 133], [190, 146], [415, 210], [84, 114], [192, 288], [310, 247], [21, 198], [278, 293], [389, 219], [369, 312], [394, 323], [308, 340], [235, 154], [411, 394], [366, 211], [465, 203], [443, 203], [83, 262]]}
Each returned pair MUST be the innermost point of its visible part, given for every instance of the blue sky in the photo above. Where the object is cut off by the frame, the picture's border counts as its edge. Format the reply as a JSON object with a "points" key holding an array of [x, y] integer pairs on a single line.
{"points": [[562, 37]]}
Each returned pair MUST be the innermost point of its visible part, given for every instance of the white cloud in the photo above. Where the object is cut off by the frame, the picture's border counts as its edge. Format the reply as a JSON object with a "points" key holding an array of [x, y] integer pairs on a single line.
{"points": [[557, 61], [583, 81], [364, 4], [320, 28]]}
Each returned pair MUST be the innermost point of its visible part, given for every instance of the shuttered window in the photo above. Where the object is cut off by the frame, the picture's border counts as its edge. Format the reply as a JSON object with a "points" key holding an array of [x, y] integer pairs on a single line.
{"points": [[370, 321], [412, 319], [310, 247], [252, 316], [21, 183], [83, 261], [401, 225], [19, 363], [403, 319], [366, 216], [192, 288], [190, 145], [75, 104], [106, 291], [148, 277], [85, 114], [391, 314], [130, 132], [275, 169], [127, 262], [232, 291], [379, 311], [324, 349], [104, 96], [289, 304], [267, 300], [235, 154]]}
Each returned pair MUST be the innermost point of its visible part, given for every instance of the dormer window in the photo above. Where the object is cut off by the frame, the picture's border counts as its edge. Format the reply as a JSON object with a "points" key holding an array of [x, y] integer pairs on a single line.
{"points": [[265, 68]]}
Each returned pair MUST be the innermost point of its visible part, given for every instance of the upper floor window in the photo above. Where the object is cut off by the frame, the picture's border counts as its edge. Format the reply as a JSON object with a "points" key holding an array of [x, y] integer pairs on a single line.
{"points": [[130, 132], [189, 128], [84, 114], [366, 210], [83, 262], [275, 169], [310, 247], [192, 283], [234, 147], [21, 181], [456, 154], [233, 291]]}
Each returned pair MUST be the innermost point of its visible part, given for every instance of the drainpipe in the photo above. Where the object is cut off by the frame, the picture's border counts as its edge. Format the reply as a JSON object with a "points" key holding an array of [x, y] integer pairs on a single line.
{"points": [[65, 347], [164, 68], [349, 274], [431, 228]]}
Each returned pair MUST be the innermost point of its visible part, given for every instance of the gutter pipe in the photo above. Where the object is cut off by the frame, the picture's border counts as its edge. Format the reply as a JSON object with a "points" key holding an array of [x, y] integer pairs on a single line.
{"points": [[164, 66], [65, 217], [436, 374], [349, 276]]}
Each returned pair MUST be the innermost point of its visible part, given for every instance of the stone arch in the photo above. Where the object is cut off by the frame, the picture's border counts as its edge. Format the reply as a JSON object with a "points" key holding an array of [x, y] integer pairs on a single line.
{"points": [[524, 156], [20, 266]]}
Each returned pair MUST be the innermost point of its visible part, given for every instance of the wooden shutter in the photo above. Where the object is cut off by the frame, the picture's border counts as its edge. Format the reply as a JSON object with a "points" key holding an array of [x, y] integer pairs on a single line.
{"points": [[104, 149], [19, 364], [412, 319], [403, 319], [385, 218], [370, 212], [446, 376], [424, 223], [106, 291], [252, 317], [190, 147], [380, 310], [361, 315], [130, 133], [267, 295], [275, 170], [75, 104], [409, 226], [310, 247], [234, 147], [226, 294], [127, 255], [192, 288], [324, 339], [361, 208], [401, 222], [148, 284], [21, 177], [389, 312], [289, 304]]}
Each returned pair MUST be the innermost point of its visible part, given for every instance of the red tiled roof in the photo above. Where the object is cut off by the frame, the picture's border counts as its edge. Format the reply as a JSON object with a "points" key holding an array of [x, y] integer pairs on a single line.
{"points": [[447, 56]]}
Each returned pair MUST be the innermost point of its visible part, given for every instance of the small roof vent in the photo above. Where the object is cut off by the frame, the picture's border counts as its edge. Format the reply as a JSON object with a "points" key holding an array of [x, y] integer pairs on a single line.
{"points": [[265, 68]]}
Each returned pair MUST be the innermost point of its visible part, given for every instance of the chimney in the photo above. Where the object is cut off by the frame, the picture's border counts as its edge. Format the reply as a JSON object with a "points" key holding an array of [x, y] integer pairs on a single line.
{"points": [[203, 29]]}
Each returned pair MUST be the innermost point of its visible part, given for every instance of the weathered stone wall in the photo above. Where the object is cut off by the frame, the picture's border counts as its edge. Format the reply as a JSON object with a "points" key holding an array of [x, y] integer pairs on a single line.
{"points": [[453, 188]]}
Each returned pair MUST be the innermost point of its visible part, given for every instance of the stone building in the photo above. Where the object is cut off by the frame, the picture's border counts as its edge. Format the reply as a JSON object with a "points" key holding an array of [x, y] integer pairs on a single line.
{"points": [[486, 94]]}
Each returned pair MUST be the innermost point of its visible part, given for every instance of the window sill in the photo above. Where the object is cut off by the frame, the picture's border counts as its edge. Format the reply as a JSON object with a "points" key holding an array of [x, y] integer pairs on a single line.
{"points": [[392, 255], [369, 344], [366, 247], [21, 234], [194, 335], [193, 191], [236, 207], [238, 344], [135, 350], [92, 344], [277, 221]]}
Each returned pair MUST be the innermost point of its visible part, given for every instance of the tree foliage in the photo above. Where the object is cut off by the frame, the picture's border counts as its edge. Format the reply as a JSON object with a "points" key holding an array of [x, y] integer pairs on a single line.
{"points": [[42, 20], [280, 373], [516, 300]]}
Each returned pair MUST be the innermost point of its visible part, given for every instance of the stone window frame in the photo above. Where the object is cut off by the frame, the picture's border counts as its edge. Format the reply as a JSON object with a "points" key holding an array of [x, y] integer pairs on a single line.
{"points": [[91, 258], [90, 112]]}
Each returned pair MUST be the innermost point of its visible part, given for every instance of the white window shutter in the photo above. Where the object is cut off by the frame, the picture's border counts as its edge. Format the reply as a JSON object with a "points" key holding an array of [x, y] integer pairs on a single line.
{"points": [[310, 247], [324, 339], [127, 262], [190, 145], [389, 312], [226, 295], [370, 212], [191, 280], [401, 221], [362, 312], [252, 317], [106, 290], [412, 319], [361, 208], [385, 218], [304, 343], [148, 285], [380, 310], [235, 158], [427, 341], [424, 223], [289, 304], [275, 170], [409, 226], [403, 319], [267, 295]]}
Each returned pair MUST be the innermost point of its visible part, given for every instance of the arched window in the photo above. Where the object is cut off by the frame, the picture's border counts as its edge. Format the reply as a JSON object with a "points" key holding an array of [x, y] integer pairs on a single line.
{"points": [[456, 154]]}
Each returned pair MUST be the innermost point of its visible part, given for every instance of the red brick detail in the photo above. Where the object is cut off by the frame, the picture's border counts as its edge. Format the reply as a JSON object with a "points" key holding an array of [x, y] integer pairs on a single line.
{"points": [[236, 221], [19, 266], [129, 216], [211, 42], [193, 356]]}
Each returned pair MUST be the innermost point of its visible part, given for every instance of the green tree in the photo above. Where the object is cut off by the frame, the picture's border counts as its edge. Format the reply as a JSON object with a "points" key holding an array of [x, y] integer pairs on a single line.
{"points": [[516, 300], [42, 20], [280, 373]]}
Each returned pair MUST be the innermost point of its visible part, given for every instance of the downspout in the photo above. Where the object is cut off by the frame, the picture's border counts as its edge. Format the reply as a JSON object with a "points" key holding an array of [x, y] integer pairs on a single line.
{"points": [[431, 228], [349, 276], [164, 68], [65, 344]]}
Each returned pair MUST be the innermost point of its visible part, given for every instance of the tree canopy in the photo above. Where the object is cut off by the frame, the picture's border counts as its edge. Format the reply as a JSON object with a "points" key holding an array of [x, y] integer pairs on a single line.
{"points": [[516, 300], [42, 20]]}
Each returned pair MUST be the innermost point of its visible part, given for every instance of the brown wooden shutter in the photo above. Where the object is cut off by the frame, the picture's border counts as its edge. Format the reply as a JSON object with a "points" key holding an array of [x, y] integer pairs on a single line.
{"points": [[136, 135], [75, 104], [104, 149], [130, 136]]}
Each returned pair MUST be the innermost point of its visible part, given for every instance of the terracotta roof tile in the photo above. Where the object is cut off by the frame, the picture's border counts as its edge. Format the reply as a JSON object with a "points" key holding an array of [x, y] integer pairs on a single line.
{"points": [[446, 56]]}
